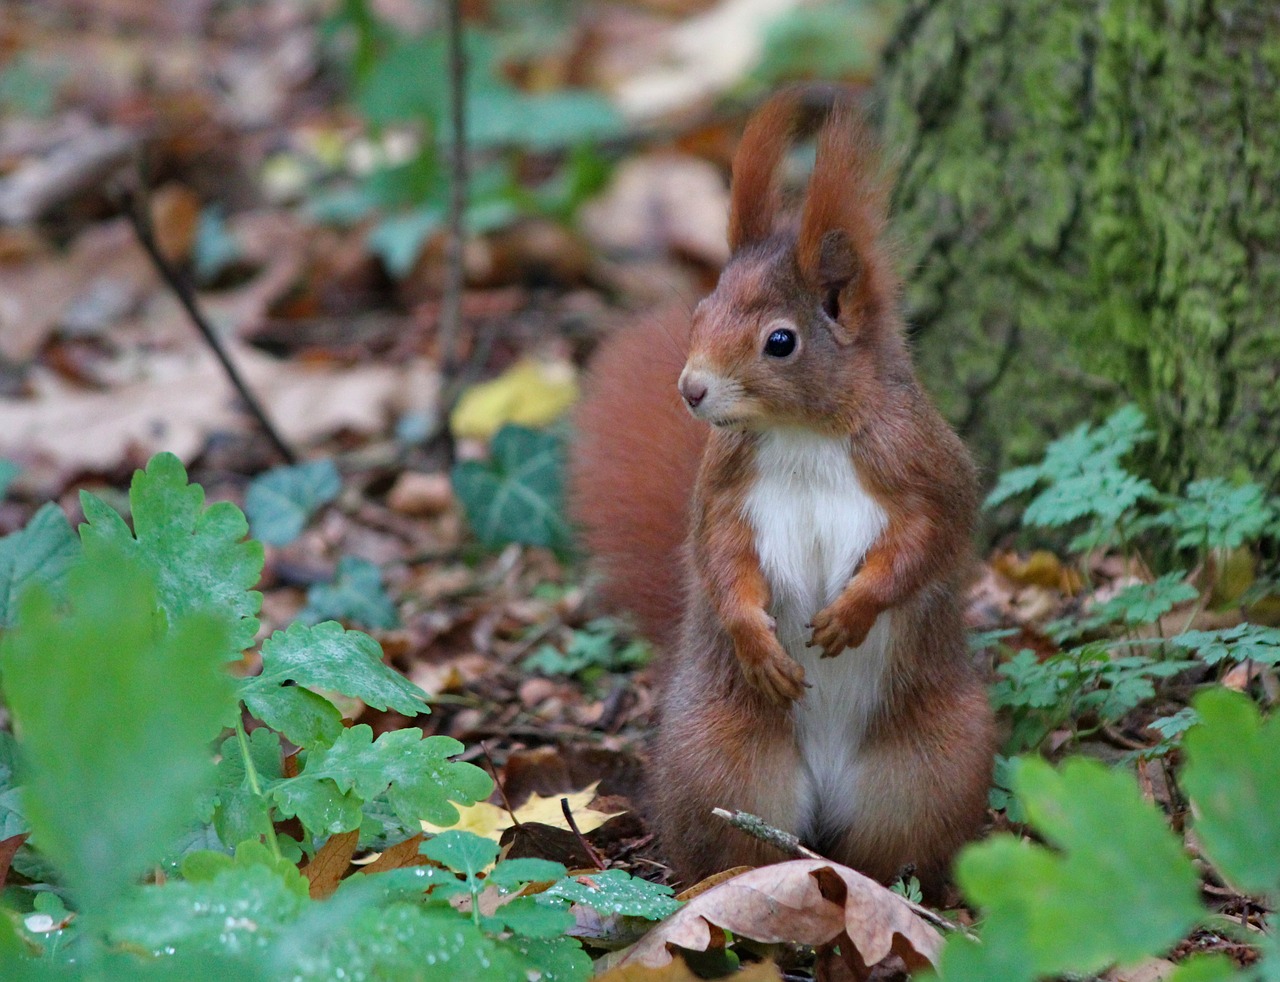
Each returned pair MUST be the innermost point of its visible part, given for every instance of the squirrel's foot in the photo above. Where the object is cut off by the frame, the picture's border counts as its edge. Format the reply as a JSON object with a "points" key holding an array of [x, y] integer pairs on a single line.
{"points": [[769, 669], [842, 624]]}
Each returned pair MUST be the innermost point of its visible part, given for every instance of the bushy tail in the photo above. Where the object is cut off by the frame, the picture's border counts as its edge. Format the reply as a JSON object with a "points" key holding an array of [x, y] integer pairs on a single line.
{"points": [[632, 468]]}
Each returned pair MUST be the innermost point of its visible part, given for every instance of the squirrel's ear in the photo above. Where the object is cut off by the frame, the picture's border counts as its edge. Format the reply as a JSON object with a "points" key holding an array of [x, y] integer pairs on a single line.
{"points": [[754, 198], [837, 248]]}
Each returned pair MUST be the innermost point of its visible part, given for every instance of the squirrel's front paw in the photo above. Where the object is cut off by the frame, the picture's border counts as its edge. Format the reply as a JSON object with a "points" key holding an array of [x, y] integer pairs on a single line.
{"points": [[769, 669], [842, 625]]}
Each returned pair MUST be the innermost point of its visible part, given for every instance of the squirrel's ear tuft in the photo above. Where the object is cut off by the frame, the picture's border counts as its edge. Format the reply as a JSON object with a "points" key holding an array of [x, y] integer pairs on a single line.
{"points": [[838, 248], [754, 198]]}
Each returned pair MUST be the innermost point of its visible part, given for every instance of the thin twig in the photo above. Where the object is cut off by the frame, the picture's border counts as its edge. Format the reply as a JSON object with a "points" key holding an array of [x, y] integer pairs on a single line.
{"points": [[785, 842], [136, 212], [502, 792], [451, 306], [587, 847]]}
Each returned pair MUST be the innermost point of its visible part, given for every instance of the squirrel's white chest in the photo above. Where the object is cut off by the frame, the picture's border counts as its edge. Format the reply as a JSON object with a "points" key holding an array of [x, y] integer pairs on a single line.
{"points": [[813, 523]]}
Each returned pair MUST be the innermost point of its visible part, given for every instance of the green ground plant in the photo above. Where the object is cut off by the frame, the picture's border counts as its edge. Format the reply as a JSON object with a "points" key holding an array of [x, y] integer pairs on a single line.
{"points": [[1104, 880], [154, 782]]}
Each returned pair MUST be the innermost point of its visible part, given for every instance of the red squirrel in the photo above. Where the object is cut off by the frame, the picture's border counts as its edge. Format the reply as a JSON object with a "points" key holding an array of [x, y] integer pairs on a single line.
{"points": [[790, 517]]}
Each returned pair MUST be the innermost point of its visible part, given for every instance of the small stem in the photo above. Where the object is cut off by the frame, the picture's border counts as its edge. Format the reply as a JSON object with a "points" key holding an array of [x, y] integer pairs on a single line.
{"points": [[181, 289], [251, 775], [451, 303]]}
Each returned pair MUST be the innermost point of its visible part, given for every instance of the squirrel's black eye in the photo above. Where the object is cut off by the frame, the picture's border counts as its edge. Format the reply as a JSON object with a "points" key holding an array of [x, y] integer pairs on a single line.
{"points": [[780, 344]]}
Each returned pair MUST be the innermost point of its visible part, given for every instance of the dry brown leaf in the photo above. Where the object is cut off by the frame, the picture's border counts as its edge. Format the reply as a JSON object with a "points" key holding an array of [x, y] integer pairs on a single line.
{"points": [[327, 867], [678, 971], [1152, 970], [804, 901], [401, 854], [660, 203], [701, 57], [187, 397]]}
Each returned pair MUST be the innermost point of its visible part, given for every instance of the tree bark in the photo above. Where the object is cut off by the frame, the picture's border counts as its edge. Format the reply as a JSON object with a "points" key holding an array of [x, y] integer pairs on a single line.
{"points": [[1089, 204]]}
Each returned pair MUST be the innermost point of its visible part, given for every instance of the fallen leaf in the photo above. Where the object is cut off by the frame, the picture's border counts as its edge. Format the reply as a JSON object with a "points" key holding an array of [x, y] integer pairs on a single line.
{"points": [[531, 393], [394, 857], [330, 863], [701, 58], [659, 204], [490, 821], [678, 971], [804, 901]]}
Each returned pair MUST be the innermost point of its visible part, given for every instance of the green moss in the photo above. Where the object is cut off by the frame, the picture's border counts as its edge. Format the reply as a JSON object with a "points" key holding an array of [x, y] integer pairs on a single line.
{"points": [[1089, 205]]}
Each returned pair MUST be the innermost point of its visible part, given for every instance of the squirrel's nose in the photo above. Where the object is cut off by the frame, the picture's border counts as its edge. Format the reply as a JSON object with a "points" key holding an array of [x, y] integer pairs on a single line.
{"points": [[693, 391]]}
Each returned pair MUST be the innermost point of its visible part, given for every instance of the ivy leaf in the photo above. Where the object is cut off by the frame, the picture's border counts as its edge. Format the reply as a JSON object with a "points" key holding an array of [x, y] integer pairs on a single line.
{"points": [[42, 552], [280, 502], [463, 852], [326, 656], [113, 772], [1244, 642], [516, 496], [1232, 778], [197, 554], [1052, 912], [356, 595], [613, 891], [1145, 603]]}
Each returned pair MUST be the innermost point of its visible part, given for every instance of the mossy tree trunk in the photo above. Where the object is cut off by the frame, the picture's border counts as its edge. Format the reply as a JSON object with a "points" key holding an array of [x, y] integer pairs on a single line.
{"points": [[1089, 202]]}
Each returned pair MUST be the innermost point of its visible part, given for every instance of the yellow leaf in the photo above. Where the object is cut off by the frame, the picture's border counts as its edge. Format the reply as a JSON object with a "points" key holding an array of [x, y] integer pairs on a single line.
{"points": [[490, 821], [531, 393]]}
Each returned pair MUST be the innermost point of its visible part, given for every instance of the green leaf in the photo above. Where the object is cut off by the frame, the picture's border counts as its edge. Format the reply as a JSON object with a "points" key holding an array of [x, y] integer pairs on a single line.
{"points": [[8, 471], [356, 594], [115, 764], [1013, 483], [1215, 514], [1145, 603], [516, 496], [304, 717], [548, 121], [197, 554], [42, 552], [1207, 968], [1244, 642], [462, 852], [240, 813], [416, 774], [615, 892], [1234, 783], [330, 658], [554, 959], [1050, 912], [407, 941], [512, 874], [280, 502], [526, 916], [239, 910]]}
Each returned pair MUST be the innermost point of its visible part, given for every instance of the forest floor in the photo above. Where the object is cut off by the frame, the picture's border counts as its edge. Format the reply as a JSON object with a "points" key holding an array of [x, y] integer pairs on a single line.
{"points": [[237, 125]]}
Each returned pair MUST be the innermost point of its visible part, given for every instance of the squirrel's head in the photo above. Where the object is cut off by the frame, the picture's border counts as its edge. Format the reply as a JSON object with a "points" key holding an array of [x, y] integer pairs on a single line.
{"points": [[793, 332]]}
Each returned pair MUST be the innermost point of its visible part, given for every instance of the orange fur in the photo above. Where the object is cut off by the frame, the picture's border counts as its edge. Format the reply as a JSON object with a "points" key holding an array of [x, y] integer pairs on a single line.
{"points": [[730, 733], [631, 474]]}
